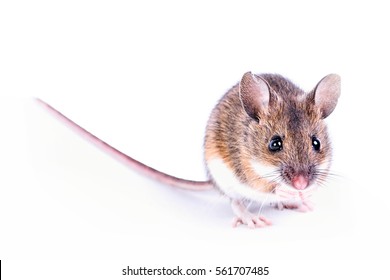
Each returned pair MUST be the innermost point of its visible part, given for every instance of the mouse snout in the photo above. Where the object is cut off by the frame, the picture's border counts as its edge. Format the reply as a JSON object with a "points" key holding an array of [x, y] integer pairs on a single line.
{"points": [[300, 182], [297, 177]]}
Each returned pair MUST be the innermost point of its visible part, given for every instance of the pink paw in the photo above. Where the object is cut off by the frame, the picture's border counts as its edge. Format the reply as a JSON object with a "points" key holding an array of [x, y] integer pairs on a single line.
{"points": [[303, 206], [251, 220], [244, 217]]}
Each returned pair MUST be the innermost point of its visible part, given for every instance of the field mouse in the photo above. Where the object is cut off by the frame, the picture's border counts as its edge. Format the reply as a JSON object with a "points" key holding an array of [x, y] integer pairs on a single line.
{"points": [[266, 142]]}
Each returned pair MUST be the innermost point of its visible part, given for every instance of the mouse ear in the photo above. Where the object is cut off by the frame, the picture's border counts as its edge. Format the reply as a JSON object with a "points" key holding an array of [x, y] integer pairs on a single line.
{"points": [[326, 94], [254, 94]]}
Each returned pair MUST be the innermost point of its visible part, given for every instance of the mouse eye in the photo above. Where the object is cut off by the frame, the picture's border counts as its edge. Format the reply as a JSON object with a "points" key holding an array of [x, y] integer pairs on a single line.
{"points": [[276, 144], [316, 143]]}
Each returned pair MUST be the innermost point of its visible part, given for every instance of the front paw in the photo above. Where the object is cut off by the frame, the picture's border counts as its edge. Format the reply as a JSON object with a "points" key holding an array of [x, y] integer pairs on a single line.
{"points": [[300, 206]]}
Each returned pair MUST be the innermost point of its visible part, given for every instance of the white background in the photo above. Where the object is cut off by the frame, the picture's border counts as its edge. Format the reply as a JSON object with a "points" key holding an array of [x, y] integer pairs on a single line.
{"points": [[144, 77]]}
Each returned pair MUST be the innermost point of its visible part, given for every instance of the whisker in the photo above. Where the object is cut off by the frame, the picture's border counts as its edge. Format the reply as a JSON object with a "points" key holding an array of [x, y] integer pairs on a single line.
{"points": [[265, 200], [270, 174], [262, 204], [249, 204], [277, 180]]}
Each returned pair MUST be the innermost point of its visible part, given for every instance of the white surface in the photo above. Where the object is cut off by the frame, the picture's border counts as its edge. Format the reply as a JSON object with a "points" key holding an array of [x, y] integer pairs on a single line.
{"points": [[144, 77]]}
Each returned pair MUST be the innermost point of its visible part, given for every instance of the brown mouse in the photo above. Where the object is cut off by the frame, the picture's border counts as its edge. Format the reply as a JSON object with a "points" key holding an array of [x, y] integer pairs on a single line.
{"points": [[266, 141]]}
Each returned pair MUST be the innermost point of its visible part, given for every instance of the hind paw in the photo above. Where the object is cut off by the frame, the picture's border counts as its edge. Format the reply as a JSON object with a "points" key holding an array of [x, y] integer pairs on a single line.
{"points": [[244, 217]]}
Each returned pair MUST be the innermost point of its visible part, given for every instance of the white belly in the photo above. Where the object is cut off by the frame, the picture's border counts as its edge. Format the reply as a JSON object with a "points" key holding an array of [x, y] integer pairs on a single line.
{"points": [[229, 184]]}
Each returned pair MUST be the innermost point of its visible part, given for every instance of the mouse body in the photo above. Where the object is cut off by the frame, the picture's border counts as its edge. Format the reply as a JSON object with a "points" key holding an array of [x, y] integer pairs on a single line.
{"points": [[266, 141]]}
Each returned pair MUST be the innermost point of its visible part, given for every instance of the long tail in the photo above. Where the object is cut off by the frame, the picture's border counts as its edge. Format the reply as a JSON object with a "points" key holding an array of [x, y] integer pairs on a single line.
{"points": [[127, 160]]}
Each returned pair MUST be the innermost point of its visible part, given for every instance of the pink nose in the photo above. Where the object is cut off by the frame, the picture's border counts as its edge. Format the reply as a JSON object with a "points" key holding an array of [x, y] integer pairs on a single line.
{"points": [[299, 182]]}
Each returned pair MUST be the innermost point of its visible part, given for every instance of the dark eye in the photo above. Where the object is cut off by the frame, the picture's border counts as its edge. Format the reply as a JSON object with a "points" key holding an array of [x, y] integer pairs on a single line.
{"points": [[316, 143], [276, 144]]}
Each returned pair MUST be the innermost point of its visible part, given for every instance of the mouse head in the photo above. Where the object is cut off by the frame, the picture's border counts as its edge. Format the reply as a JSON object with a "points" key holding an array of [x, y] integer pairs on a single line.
{"points": [[287, 131]]}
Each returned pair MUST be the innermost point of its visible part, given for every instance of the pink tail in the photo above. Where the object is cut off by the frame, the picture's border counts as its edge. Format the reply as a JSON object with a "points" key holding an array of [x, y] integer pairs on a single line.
{"points": [[127, 160]]}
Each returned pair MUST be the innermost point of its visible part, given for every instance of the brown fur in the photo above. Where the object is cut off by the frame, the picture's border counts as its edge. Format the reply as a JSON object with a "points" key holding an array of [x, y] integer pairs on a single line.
{"points": [[237, 138]]}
